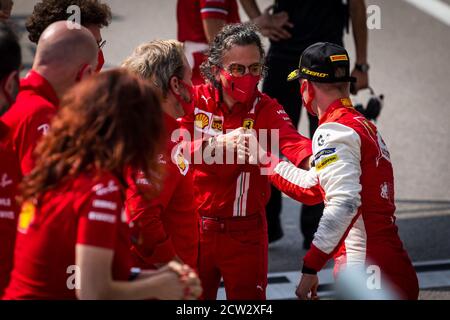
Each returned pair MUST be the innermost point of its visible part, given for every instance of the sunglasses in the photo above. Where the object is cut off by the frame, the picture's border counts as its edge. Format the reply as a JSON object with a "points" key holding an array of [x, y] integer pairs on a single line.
{"points": [[101, 44], [239, 70]]}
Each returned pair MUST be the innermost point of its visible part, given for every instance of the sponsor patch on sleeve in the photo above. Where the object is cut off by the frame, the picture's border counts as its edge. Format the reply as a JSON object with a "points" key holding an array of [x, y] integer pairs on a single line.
{"points": [[324, 152], [325, 162]]}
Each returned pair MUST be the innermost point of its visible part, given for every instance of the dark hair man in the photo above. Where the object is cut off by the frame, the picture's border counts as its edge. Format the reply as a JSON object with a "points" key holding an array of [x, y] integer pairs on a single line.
{"points": [[231, 198], [94, 15]]}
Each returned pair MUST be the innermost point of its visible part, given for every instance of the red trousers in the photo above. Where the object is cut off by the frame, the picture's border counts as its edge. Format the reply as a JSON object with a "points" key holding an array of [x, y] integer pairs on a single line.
{"points": [[235, 249]]}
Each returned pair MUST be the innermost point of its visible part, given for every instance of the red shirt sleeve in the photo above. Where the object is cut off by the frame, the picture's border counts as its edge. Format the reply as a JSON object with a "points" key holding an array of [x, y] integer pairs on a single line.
{"points": [[292, 144], [100, 216], [294, 183], [152, 244], [193, 141], [215, 9]]}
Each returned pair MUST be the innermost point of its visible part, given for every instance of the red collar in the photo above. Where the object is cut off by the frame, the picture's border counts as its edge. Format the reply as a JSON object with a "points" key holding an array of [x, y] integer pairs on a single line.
{"points": [[171, 123], [35, 82], [339, 103]]}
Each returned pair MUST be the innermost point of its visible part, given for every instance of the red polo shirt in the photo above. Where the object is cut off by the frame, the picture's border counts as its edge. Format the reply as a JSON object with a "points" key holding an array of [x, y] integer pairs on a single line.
{"points": [[165, 226], [88, 210], [227, 190], [30, 116]]}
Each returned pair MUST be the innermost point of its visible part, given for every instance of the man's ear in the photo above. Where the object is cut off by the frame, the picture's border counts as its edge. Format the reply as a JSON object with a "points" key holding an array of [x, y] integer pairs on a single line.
{"points": [[174, 85], [12, 84], [11, 81], [86, 71], [310, 89]]}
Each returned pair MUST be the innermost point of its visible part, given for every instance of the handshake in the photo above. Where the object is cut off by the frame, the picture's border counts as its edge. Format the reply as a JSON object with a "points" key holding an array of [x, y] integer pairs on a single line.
{"points": [[244, 142]]}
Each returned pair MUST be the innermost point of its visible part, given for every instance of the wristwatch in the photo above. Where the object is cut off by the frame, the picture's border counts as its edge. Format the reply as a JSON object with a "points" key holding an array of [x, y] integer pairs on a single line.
{"points": [[364, 67]]}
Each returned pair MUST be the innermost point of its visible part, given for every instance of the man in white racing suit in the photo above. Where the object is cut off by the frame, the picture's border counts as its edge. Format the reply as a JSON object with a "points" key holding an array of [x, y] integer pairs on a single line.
{"points": [[352, 165]]}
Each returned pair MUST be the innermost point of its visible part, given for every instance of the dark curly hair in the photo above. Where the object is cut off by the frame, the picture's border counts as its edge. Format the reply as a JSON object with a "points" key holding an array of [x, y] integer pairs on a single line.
{"points": [[239, 34], [46, 12]]}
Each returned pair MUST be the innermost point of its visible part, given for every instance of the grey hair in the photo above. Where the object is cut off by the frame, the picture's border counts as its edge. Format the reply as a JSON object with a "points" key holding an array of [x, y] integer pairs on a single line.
{"points": [[240, 34], [158, 61]]}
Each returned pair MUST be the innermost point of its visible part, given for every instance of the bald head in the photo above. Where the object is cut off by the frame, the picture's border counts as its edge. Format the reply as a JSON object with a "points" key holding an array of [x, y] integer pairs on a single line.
{"points": [[66, 52], [60, 45]]}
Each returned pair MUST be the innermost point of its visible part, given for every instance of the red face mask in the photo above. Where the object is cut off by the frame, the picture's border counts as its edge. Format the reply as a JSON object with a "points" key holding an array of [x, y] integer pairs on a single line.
{"points": [[188, 106], [241, 89], [100, 61], [307, 104]]}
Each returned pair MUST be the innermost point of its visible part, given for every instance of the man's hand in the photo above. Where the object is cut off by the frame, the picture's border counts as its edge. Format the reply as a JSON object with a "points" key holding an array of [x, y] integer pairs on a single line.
{"points": [[307, 288], [189, 281], [249, 150], [362, 80], [229, 141], [273, 25]]}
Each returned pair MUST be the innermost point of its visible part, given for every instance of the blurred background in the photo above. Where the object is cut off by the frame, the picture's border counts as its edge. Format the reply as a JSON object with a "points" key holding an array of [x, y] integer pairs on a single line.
{"points": [[410, 65]]}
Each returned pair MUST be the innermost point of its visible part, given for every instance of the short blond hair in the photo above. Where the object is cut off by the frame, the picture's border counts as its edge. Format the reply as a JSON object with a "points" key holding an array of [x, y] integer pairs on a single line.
{"points": [[158, 60]]}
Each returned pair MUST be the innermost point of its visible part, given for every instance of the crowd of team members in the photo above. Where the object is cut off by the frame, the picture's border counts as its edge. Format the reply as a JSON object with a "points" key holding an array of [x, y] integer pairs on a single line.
{"points": [[110, 205]]}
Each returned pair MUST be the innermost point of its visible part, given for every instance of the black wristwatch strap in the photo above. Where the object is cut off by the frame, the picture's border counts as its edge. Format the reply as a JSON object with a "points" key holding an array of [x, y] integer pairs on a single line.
{"points": [[306, 270]]}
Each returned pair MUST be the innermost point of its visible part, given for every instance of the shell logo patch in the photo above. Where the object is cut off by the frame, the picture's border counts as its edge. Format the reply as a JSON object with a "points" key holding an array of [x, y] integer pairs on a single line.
{"points": [[26, 217], [201, 120]]}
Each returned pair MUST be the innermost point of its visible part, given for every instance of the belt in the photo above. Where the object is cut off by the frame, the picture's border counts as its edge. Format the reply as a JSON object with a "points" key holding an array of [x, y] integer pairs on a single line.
{"points": [[252, 222]]}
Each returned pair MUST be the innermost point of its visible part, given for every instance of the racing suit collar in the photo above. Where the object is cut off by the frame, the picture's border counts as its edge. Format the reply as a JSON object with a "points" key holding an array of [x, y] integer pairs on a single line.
{"points": [[35, 82], [337, 104], [170, 123]]}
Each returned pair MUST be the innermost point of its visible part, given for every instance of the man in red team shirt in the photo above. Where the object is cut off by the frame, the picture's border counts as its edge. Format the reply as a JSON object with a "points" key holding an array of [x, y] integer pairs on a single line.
{"points": [[64, 57], [94, 15], [199, 21], [73, 239], [167, 224], [9, 171], [230, 198]]}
